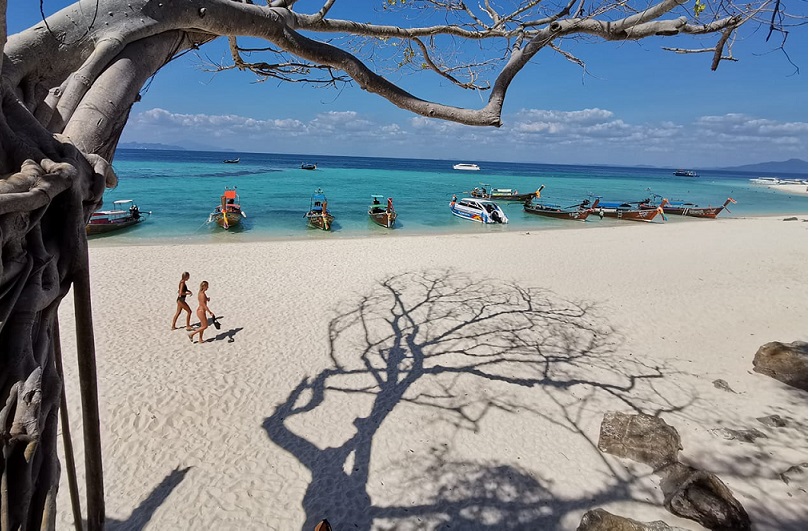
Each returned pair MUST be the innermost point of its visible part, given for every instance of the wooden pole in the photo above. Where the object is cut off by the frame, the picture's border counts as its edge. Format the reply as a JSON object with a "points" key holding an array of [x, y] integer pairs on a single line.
{"points": [[85, 347], [70, 462]]}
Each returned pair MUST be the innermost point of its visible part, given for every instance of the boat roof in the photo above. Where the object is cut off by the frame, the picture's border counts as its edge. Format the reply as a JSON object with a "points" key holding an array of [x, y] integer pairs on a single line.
{"points": [[230, 194], [122, 201], [477, 200]]}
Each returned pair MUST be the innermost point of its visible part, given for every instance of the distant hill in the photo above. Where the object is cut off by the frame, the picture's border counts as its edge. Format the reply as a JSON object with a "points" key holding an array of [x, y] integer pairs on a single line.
{"points": [[787, 166], [189, 146], [148, 145]]}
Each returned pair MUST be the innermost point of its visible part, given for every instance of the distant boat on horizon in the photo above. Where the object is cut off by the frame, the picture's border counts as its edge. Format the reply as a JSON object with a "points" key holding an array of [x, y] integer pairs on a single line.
{"points": [[686, 173], [232, 161], [464, 166]]}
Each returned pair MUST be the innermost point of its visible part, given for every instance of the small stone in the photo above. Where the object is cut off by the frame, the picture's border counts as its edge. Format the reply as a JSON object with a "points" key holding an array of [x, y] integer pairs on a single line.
{"points": [[723, 385]]}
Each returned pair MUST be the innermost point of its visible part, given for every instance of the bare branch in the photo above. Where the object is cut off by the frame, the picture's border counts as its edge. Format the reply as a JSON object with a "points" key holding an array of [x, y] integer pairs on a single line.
{"points": [[719, 47]]}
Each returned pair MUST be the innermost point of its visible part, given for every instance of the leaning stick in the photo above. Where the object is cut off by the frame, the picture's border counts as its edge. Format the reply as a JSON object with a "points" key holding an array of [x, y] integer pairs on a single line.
{"points": [[70, 461], [85, 348]]}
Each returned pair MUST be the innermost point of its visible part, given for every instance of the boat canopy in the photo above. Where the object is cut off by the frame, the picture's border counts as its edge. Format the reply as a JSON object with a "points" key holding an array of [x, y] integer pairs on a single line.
{"points": [[230, 194], [122, 201]]}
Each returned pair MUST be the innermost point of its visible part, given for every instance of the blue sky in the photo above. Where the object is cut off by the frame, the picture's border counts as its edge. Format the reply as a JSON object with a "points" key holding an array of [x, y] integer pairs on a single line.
{"points": [[635, 105]]}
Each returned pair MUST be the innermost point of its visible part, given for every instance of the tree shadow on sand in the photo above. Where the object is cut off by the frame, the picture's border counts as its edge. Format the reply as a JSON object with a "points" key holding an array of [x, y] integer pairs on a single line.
{"points": [[142, 514], [459, 349]]}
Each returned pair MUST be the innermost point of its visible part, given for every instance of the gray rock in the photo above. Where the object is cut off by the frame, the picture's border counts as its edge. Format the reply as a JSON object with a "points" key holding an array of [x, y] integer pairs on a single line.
{"points": [[786, 362], [642, 438], [688, 492], [702, 497], [601, 520]]}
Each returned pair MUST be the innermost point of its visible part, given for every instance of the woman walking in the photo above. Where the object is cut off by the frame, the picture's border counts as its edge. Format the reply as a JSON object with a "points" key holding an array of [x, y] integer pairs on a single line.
{"points": [[182, 293], [202, 312]]}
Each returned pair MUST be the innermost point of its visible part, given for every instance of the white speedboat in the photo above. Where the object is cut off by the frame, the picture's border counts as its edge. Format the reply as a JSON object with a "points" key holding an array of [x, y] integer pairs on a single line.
{"points": [[124, 213], [480, 210], [466, 166]]}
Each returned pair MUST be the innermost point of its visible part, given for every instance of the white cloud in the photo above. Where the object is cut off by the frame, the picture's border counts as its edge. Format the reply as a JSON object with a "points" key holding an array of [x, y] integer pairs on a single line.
{"points": [[586, 136]]}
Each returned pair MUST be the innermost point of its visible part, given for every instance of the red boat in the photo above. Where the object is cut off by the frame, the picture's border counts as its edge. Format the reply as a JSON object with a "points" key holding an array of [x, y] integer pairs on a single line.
{"points": [[683, 208], [576, 212], [631, 211]]}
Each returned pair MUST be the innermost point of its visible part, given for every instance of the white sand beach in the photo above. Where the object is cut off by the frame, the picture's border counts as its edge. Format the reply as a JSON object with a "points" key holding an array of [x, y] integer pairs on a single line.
{"points": [[794, 189], [452, 382]]}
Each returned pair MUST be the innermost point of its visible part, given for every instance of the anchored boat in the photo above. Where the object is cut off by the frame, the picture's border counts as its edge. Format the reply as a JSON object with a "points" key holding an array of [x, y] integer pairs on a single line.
{"points": [[501, 194], [125, 213], [318, 216], [228, 213], [630, 211], [480, 210], [686, 208], [384, 216]]}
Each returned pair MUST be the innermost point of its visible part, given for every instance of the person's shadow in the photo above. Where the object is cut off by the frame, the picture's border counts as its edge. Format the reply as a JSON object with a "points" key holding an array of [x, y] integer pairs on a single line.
{"points": [[227, 334]]}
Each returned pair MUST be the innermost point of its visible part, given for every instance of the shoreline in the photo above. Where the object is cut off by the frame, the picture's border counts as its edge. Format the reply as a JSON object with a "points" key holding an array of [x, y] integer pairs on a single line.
{"points": [[314, 235], [393, 378]]}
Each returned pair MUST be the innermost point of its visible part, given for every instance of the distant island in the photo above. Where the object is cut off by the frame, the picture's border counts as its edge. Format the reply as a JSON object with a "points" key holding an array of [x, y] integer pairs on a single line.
{"points": [[787, 166], [149, 145]]}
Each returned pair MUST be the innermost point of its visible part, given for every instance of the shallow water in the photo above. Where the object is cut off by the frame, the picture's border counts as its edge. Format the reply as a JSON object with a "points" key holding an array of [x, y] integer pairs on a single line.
{"points": [[181, 188]]}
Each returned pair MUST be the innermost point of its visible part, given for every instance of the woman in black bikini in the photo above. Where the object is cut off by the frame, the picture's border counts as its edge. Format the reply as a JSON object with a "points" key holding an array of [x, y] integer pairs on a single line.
{"points": [[182, 292]]}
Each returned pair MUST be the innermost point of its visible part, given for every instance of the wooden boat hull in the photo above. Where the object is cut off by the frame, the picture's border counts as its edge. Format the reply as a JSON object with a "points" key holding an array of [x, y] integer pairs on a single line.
{"points": [[383, 219], [692, 210], [233, 219], [317, 220], [630, 214], [97, 227], [558, 213]]}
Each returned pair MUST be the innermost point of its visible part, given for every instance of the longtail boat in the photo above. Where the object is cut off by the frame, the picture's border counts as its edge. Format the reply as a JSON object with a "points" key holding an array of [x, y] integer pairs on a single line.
{"points": [[125, 213], [630, 211], [685, 208], [384, 216], [501, 194], [318, 216], [578, 212], [228, 213]]}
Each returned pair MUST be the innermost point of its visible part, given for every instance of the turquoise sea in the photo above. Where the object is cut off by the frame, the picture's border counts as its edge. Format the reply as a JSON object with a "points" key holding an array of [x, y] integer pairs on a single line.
{"points": [[181, 188]]}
